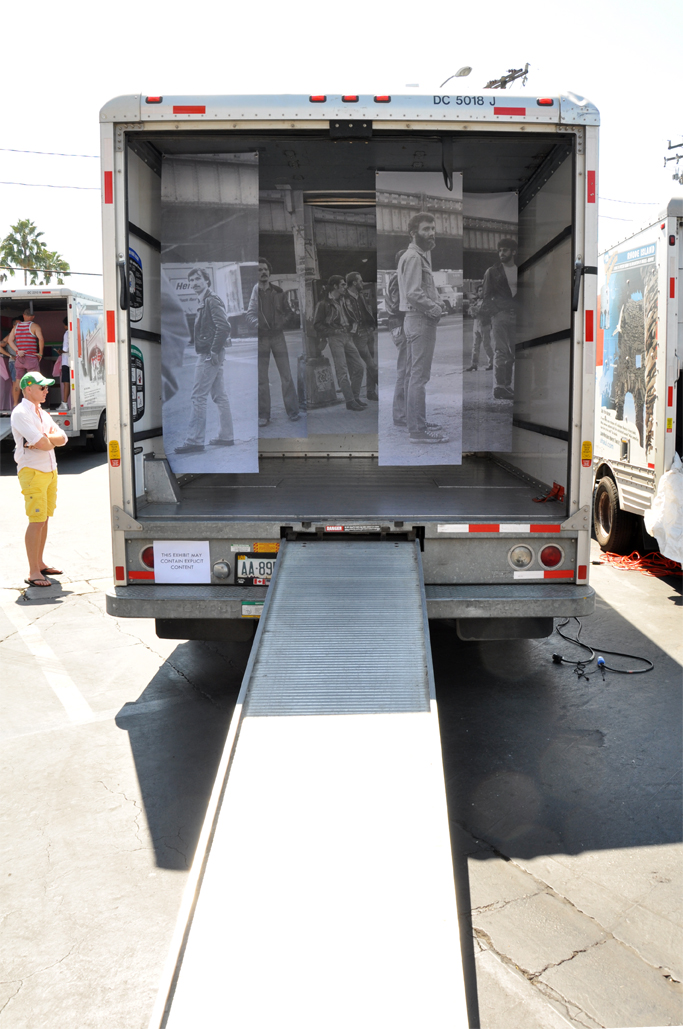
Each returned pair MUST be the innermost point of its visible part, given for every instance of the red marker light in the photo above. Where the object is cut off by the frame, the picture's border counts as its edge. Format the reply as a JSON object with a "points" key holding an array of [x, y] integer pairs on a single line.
{"points": [[153, 99], [382, 99], [349, 99], [672, 241], [317, 99], [551, 556], [147, 557], [545, 101]]}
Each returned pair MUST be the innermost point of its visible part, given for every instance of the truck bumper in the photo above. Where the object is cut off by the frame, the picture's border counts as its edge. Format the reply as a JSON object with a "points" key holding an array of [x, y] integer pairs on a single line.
{"points": [[514, 600]]}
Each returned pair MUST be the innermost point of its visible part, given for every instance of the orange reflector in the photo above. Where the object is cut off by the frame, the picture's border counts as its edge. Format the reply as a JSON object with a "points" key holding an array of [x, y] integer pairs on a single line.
{"points": [[349, 99], [317, 99], [153, 99], [545, 101]]}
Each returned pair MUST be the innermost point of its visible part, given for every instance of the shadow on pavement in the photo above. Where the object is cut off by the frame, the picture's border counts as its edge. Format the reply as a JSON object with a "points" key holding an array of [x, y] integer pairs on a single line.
{"points": [[177, 729]]}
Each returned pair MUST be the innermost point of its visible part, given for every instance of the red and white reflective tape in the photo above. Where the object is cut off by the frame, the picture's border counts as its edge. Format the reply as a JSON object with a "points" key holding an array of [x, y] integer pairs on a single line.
{"points": [[505, 527], [553, 573]]}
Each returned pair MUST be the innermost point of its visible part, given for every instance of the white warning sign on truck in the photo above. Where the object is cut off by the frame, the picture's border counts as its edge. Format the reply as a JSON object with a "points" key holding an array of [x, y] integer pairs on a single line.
{"points": [[186, 561]]}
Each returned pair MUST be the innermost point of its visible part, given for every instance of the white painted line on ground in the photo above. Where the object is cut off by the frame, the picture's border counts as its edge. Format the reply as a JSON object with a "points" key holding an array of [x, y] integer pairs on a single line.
{"points": [[66, 690], [529, 1006]]}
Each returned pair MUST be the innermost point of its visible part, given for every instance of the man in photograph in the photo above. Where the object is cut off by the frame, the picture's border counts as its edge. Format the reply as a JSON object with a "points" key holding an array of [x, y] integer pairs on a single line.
{"points": [[422, 309], [267, 314], [211, 336], [500, 305], [332, 323], [363, 324], [481, 333]]}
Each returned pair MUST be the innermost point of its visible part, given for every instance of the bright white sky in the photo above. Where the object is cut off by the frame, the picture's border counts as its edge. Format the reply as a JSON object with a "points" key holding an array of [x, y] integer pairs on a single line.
{"points": [[69, 58]]}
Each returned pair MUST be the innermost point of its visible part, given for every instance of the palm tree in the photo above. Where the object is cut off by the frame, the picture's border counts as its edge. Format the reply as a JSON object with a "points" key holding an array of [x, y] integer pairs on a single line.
{"points": [[23, 248], [54, 265]]}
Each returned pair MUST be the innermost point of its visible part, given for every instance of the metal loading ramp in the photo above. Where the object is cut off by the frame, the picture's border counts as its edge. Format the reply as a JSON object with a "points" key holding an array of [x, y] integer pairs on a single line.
{"points": [[322, 891]]}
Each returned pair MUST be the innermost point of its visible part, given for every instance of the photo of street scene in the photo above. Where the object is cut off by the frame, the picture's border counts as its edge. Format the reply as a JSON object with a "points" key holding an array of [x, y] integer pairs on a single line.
{"points": [[419, 283], [490, 286], [338, 274], [490, 319], [209, 271], [274, 314]]}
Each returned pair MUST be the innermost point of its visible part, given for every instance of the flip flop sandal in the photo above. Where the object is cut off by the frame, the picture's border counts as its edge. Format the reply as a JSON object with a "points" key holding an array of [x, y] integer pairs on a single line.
{"points": [[51, 571], [37, 582]]}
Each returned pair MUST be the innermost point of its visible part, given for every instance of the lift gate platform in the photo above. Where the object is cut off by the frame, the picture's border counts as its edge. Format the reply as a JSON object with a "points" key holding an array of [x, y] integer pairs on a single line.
{"points": [[322, 892]]}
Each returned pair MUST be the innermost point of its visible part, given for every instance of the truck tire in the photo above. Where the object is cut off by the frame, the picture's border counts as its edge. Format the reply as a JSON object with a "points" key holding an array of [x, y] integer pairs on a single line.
{"points": [[98, 443], [614, 528]]}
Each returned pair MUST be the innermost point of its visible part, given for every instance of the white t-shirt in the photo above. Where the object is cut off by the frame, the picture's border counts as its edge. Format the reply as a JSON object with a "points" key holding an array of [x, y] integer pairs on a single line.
{"points": [[30, 425], [511, 276], [65, 350]]}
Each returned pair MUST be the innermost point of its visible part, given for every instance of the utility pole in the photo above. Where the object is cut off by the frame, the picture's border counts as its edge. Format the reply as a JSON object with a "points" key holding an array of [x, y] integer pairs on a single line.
{"points": [[678, 171], [512, 75]]}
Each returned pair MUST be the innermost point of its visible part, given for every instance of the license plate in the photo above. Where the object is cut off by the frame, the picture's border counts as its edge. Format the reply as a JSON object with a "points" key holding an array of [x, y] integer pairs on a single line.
{"points": [[254, 569]]}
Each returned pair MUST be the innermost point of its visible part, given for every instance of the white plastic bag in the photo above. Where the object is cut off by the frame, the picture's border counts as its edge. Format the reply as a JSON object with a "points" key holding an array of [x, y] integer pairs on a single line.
{"points": [[664, 520]]}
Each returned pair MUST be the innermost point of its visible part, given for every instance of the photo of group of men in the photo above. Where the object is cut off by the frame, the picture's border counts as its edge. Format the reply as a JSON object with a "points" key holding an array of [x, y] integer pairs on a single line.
{"points": [[284, 317]]}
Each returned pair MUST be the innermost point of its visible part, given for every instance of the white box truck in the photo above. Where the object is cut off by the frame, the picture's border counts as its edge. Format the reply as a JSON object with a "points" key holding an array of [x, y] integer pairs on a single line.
{"points": [[368, 478], [494, 559], [638, 422], [84, 415]]}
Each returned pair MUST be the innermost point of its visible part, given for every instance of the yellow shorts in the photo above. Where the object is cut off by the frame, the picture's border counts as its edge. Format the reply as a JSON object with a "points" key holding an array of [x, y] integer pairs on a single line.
{"points": [[40, 493]]}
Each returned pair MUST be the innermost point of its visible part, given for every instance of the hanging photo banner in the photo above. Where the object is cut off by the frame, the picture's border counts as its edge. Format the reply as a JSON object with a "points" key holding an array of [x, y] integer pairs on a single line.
{"points": [[490, 322], [209, 267], [419, 285], [339, 284], [274, 314]]}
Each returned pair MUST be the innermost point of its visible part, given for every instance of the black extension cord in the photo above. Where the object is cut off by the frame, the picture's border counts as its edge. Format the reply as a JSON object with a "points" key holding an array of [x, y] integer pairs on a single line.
{"points": [[580, 667]]}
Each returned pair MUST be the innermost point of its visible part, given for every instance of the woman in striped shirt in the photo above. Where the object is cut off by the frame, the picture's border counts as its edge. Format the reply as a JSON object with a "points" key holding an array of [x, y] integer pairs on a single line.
{"points": [[26, 338]]}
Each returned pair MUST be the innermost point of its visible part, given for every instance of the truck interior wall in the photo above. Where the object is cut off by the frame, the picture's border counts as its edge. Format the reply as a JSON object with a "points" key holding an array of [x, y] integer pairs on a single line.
{"points": [[538, 168], [544, 331]]}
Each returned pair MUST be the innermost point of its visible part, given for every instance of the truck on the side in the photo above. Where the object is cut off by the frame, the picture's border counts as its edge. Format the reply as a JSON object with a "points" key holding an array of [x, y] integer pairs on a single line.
{"points": [[639, 357], [322, 889], [84, 415]]}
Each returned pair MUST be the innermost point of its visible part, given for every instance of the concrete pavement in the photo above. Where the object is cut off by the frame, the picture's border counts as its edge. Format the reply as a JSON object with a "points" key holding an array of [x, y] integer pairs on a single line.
{"points": [[563, 796]]}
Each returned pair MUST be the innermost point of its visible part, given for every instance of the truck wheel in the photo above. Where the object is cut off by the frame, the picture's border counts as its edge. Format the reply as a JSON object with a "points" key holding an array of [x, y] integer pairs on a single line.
{"points": [[98, 443], [614, 528]]}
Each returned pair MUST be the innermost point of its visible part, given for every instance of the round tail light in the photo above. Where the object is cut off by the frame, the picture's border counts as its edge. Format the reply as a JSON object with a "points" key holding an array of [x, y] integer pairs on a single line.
{"points": [[551, 556], [147, 557], [520, 556]]}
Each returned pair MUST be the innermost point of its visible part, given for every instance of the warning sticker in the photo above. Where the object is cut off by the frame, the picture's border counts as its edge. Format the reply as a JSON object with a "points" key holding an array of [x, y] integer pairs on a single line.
{"points": [[586, 453], [114, 453], [252, 608]]}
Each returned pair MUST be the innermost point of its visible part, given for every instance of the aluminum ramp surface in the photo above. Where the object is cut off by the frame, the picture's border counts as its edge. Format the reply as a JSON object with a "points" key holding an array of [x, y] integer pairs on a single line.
{"points": [[323, 878]]}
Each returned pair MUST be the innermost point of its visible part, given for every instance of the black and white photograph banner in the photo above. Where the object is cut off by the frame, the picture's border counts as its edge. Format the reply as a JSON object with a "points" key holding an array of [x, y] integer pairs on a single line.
{"points": [[419, 286], [490, 323], [209, 348], [339, 277], [274, 312]]}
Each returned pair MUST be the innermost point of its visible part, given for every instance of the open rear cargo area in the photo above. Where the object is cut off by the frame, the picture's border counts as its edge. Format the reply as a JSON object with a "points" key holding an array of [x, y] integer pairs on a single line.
{"points": [[320, 213]]}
